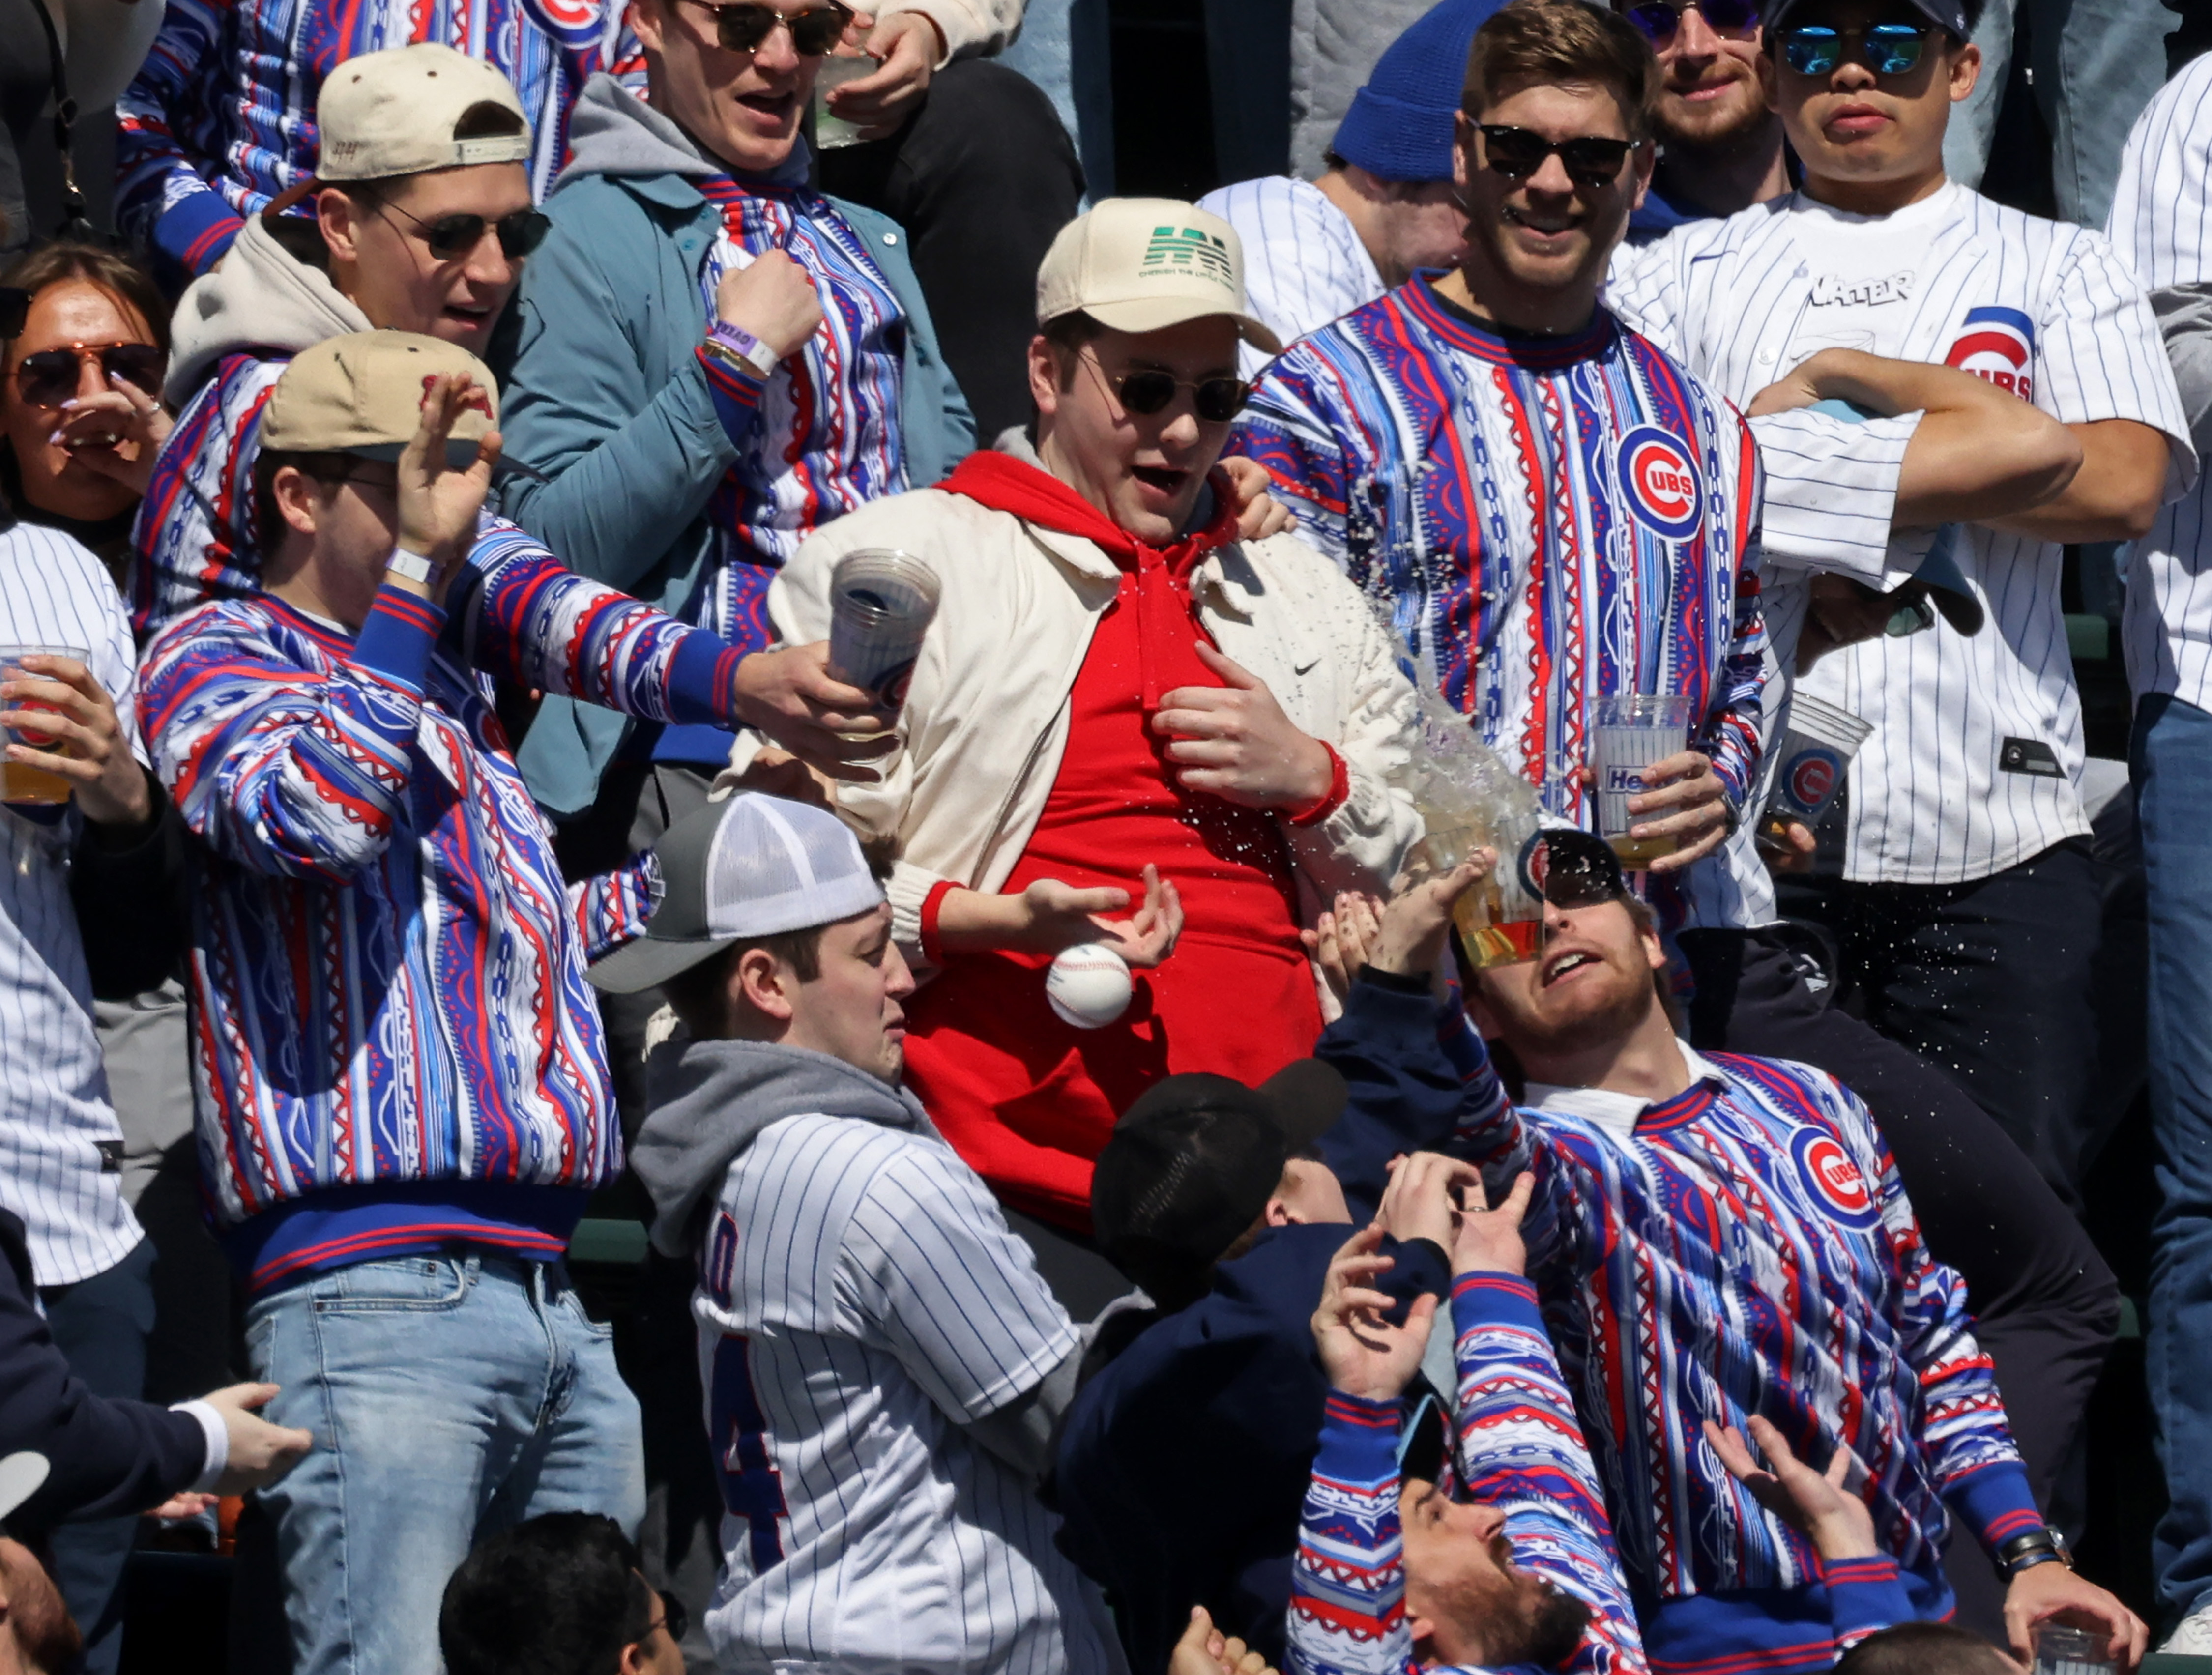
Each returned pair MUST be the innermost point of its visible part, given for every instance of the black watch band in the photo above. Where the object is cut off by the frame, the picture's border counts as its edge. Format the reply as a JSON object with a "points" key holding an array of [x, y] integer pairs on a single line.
{"points": [[2043, 1546]]}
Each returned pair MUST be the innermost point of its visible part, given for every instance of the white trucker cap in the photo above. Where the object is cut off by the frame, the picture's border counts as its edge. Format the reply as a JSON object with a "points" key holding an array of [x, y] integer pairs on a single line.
{"points": [[398, 112], [1145, 263], [752, 866]]}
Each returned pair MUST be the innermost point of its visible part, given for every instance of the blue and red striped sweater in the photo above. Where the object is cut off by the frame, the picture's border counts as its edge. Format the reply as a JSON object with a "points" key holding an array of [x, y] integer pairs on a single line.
{"points": [[394, 1045]]}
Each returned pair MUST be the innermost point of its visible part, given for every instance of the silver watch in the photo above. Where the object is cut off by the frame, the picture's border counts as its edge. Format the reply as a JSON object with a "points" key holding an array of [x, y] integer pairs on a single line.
{"points": [[413, 565]]}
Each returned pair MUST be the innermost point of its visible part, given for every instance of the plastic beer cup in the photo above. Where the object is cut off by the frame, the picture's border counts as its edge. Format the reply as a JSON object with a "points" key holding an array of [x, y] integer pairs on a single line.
{"points": [[1634, 730], [21, 782]]}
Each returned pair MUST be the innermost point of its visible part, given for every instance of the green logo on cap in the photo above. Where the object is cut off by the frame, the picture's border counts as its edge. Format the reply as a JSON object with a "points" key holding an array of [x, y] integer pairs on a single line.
{"points": [[1188, 250]]}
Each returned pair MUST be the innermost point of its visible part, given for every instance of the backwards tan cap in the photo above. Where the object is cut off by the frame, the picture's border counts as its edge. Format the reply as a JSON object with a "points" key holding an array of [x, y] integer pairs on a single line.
{"points": [[398, 113], [1144, 264], [363, 394]]}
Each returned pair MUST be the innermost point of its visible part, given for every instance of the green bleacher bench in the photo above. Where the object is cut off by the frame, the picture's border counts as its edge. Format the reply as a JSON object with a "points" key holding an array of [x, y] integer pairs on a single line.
{"points": [[2166, 1663], [618, 1244]]}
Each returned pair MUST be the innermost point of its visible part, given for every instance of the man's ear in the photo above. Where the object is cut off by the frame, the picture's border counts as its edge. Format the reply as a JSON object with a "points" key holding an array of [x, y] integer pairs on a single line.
{"points": [[294, 492], [645, 20], [1463, 151], [1966, 69], [1424, 1631], [339, 217], [1654, 952], [1044, 375], [766, 983], [633, 1658]]}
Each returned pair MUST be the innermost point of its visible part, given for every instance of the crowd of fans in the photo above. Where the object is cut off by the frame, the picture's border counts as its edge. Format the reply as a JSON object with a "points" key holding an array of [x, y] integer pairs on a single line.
{"points": [[433, 808]]}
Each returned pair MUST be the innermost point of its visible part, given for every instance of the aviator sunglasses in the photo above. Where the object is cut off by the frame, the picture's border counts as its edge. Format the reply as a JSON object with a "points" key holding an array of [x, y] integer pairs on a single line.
{"points": [[1218, 400], [1518, 152], [1888, 49], [1658, 20], [456, 236], [51, 377], [744, 28]]}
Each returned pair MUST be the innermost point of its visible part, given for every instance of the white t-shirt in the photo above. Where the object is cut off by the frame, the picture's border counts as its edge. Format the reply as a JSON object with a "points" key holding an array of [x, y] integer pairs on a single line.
{"points": [[54, 1112], [1865, 269], [860, 1297]]}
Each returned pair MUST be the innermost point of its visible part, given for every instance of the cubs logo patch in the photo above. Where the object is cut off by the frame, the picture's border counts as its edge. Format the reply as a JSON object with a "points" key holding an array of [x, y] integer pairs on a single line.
{"points": [[1662, 483], [1996, 345], [1536, 864], [1812, 776], [1832, 1179]]}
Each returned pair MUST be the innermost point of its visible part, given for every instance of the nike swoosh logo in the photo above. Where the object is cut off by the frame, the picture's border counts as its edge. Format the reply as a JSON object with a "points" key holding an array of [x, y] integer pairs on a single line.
{"points": [[1305, 668]]}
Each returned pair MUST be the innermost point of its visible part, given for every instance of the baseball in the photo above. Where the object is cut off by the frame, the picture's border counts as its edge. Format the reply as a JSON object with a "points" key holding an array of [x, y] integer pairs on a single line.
{"points": [[1089, 986]]}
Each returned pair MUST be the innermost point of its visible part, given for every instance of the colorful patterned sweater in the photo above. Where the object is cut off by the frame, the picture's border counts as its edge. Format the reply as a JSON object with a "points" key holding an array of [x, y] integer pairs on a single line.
{"points": [[1519, 1449], [391, 1017], [221, 115], [1545, 521], [1746, 1248]]}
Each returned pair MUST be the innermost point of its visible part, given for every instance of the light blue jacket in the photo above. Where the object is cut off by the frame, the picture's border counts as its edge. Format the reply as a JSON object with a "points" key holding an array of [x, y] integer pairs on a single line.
{"points": [[606, 402]]}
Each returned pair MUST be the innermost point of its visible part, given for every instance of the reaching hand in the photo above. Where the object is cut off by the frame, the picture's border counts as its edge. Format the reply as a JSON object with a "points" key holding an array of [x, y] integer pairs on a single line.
{"points": [[438, 505], [1244, 483], [1488, 1240], [1362, 1354], [1686, 800], [1205, 1650], [1816, 1504], [1413, 925], [1061, 916], [1234, 741], [1422, 1200], [2051, 1592], [772, 298], [789, 694], [908, 46], [1342, 939], [66, 704], [260, 1452]]}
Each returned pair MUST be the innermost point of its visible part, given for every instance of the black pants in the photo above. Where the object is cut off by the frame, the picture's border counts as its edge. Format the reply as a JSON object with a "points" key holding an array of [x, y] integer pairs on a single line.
{"points": [[2045, 1304], [1989, 980], [981, 177]]}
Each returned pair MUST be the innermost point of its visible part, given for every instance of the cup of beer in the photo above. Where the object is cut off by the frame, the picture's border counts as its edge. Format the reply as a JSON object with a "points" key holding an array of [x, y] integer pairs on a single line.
{"points": [[1634, 730], [881, 604], [1816, 750], [19, 782], [2063, 1649]]}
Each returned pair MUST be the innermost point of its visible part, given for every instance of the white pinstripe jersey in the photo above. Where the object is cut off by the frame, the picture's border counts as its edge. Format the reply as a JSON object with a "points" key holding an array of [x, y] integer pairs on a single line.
{"points": [[1304, 264], [54, 1110], [2044, 307], [860, 1296], [2161, 223]]}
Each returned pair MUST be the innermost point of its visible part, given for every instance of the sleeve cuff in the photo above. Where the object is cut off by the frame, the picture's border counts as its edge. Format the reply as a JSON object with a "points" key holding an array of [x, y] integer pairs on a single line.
{"points": [[218, 1444], [736, 391], [1485, 1299], [1358, 1439], [703, 680], [1996, 1502], [932, 905], [395, 641], [1338, 793]]}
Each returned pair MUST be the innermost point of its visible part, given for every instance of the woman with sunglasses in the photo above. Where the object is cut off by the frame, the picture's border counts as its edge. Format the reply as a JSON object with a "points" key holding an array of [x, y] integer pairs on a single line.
{"points": [[87, 342]]}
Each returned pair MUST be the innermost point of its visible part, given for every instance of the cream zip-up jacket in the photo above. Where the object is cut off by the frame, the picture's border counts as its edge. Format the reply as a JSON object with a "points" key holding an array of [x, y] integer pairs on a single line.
{"points": [[986, 715]]}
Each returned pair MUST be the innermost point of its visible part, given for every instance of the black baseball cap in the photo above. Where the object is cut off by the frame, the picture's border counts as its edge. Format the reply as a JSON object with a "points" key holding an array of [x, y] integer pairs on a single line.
{"points": [[1949, 14], [1192, 1163]]}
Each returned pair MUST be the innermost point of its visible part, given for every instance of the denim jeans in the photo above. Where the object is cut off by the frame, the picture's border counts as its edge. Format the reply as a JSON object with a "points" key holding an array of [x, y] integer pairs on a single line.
{"points": [[449, 1396], [2171, 760], [2097, 64]]}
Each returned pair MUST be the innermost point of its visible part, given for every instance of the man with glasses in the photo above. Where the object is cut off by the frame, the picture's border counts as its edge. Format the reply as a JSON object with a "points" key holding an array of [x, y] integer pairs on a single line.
{"points": [[1716, 1241], [714, 359], [1719, 142], [1549, 509], [561, 1591], [1126, 724]]}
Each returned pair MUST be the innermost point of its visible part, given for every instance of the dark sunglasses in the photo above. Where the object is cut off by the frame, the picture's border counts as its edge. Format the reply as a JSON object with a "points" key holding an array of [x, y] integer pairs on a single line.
{"points": [[1658, 20], [1518, 152], [1580, 871], [14, 309], [51, 376], [1218, 400], [1888, 49], [673, 1618], [745, 28], [456, 236]]}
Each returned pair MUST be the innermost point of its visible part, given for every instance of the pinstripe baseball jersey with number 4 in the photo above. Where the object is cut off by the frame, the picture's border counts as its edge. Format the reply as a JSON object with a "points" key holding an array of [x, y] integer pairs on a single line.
{"points": [[2161, 224], [1977, 748], [860, 1303]]}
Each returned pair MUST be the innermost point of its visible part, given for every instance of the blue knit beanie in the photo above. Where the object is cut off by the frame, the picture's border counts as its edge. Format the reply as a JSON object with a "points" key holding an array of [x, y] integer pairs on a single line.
{"points": [[1400, 125]]}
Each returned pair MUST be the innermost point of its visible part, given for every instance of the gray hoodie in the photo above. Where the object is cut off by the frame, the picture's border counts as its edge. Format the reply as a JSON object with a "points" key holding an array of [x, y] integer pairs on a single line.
{"points": [[258, 297], [711, 1100], [613, 131]]}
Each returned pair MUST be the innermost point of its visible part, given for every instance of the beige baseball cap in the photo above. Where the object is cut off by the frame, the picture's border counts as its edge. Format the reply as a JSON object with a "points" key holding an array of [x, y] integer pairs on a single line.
{"points": [[1144, 264], [397, 113], [362, 393]]}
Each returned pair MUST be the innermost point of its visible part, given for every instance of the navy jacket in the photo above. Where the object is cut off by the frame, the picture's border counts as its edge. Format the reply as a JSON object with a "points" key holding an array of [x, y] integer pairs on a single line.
{"points": [[109, 1459], [1184, 1460]]}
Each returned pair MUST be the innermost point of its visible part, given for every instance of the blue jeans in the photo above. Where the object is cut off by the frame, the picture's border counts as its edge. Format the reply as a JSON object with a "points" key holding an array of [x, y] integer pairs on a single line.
{"points": [[449, 1396], [2171, 760]]}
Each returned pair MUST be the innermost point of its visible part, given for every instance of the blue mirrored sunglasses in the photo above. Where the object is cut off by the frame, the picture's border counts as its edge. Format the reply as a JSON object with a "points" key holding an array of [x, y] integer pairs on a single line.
{"points": [[1888, 49]]}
